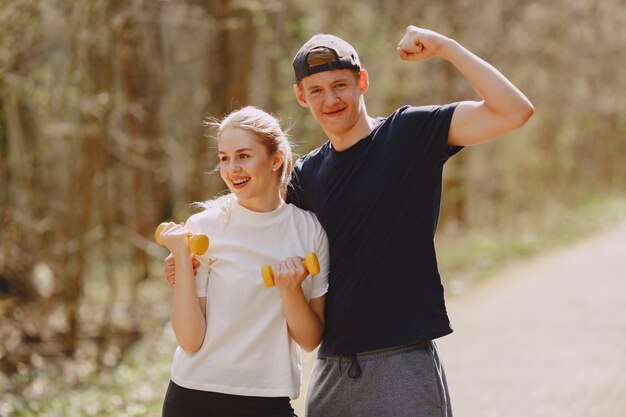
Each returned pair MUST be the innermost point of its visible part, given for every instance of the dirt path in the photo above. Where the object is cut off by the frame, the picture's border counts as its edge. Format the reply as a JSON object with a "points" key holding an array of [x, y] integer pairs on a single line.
{"points": [[545, 338]]}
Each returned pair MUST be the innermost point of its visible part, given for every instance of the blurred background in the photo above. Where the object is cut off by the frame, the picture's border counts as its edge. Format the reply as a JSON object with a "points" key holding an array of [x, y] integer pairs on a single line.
{"points": [[101, 139]]}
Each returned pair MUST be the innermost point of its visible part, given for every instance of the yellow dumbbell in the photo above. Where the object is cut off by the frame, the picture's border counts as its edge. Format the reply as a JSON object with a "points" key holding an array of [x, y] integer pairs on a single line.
{"points": [[310, 263], [198, 244]]}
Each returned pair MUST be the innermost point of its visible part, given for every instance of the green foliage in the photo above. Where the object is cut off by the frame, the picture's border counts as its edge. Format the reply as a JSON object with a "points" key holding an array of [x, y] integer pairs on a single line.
{"points": [[134, 388]]}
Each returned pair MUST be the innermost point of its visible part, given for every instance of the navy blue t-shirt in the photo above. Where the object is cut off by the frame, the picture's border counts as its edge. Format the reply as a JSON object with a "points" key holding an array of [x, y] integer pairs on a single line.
{"points": [[379, 204]]}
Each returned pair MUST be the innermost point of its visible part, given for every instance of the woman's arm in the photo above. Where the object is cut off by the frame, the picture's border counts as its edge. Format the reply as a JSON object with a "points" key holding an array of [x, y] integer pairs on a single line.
{"points": [[305, 320], [188, 310]]}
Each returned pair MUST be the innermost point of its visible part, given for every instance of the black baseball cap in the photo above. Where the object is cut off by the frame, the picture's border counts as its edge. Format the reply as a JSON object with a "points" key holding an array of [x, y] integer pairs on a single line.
{"points": [[347, 57]]}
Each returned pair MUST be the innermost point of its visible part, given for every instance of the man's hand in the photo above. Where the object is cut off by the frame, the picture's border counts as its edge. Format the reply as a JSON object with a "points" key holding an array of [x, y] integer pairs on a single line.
{"points": [[418, 44], [170, 268]]}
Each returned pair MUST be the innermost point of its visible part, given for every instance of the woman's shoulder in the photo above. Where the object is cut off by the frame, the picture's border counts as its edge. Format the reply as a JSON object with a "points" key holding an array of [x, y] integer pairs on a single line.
{"points": [[211, 212], [302, 215]]}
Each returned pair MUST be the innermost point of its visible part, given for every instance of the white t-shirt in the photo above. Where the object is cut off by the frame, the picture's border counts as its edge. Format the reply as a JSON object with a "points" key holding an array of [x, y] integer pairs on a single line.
{"points": [[247, 349]]}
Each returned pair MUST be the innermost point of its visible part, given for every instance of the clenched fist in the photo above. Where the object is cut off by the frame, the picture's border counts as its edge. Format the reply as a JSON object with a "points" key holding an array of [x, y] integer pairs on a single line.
{"points": [[418, 44]]}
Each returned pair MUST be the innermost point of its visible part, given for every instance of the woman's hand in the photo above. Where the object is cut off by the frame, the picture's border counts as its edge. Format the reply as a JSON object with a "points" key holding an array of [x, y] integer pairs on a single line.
{"points": [[174, 237], [289, 275]]}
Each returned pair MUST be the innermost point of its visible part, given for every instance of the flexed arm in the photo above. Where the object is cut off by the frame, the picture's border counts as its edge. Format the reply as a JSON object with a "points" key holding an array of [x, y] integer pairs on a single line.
{"points": [[188, 310], [503, 107], [305, 320]]}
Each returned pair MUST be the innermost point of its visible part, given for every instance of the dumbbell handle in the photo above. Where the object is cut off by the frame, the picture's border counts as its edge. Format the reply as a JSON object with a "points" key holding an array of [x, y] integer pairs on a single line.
{"points": [[198, 244], [310, 263]]}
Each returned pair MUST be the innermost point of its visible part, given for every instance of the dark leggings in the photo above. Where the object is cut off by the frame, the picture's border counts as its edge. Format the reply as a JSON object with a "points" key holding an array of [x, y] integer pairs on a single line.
{"points": [[185, 402]]}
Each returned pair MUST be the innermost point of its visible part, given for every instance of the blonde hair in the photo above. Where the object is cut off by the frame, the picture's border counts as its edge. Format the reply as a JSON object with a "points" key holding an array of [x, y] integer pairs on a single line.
{"points": [[268, 130]]}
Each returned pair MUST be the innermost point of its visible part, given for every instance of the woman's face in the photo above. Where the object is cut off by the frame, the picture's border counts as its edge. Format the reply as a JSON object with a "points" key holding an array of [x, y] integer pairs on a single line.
{"points": [[248, 169]]}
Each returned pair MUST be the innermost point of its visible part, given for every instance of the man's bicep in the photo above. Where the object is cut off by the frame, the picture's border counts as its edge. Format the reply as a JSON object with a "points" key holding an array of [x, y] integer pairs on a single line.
{"points": [[474, 123]]}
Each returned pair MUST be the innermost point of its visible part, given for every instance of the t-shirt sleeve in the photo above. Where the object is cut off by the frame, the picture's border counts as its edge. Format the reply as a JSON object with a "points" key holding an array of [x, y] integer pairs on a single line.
{"points": [[295, 190], [203, 271], [202, 279], [426, 128], [319, 282]]}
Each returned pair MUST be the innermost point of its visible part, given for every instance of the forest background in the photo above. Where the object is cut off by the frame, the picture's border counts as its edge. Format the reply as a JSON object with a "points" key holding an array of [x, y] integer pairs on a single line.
{"points": [[101, 139]]}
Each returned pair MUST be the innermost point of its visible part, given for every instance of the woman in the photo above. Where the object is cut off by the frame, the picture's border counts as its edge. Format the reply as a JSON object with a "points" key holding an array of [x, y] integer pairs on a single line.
{"points": [[238, 353]]}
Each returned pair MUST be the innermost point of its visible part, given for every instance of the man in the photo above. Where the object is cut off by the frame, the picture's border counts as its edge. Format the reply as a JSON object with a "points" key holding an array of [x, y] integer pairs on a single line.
{"points": [[376, 187]]}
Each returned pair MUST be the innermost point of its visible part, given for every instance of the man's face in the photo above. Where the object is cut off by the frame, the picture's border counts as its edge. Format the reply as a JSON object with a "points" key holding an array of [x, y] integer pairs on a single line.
{"points": [[334, 98]]}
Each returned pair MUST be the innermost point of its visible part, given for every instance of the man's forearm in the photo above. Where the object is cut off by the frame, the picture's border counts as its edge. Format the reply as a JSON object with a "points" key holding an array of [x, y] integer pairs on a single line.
{"points": [[500, 96]]}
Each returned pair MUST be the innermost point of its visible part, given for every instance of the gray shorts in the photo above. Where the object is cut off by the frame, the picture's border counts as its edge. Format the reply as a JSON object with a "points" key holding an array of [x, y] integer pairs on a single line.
{"points": [[405, 381]]}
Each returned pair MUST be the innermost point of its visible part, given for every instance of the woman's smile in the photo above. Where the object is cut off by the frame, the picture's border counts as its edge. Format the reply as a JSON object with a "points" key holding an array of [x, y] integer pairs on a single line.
{"points": [[239, 183]]}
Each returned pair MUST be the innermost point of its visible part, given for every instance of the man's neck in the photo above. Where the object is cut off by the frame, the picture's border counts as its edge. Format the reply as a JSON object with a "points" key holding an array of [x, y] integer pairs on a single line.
{"points": [[341, 142]]}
